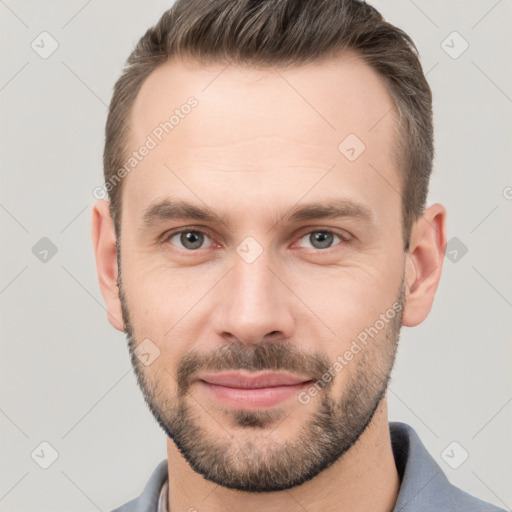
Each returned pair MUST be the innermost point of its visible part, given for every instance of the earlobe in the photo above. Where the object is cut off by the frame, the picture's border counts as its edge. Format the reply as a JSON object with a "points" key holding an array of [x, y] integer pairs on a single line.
{"points": [[104, 246], [424, 263]]}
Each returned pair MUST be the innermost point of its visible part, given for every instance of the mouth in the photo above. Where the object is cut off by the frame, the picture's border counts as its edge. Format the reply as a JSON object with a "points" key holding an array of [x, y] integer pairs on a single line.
{"points": [[253, 391]]}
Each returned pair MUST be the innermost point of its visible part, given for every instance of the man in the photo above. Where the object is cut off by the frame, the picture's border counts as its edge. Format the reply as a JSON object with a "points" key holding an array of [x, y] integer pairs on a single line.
{"points": [[267, 164]]}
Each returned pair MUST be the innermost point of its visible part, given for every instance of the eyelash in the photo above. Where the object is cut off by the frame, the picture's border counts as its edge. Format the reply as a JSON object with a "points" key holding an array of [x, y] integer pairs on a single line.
{"points": [[343, 237]]}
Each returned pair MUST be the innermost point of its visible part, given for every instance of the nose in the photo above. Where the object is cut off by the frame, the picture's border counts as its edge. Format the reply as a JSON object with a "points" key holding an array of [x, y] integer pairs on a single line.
{"points": [[254, 304]]}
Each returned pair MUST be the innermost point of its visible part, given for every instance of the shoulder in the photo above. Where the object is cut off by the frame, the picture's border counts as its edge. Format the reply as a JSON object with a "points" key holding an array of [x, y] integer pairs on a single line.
{"points": [[424, 486]]}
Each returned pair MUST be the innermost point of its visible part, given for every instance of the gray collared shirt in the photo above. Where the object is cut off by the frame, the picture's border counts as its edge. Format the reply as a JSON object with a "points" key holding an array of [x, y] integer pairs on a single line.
{"points": [[424, 487]]}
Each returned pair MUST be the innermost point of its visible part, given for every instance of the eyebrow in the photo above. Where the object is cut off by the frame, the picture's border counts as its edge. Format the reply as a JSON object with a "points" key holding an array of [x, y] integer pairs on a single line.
{"points": [[169, 209]]}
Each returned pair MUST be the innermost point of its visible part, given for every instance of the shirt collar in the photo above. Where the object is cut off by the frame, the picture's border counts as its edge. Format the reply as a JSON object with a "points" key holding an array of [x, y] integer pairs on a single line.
{"points": [[162, 501]]}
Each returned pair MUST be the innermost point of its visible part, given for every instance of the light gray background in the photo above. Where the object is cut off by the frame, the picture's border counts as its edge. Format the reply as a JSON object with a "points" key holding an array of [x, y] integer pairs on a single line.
{"points": [[65, 376]]}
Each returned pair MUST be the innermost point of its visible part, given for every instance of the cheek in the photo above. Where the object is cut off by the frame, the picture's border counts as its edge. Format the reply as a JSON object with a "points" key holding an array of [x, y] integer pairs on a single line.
{"points": [[344, 301], [164, 309], [160, 295]]}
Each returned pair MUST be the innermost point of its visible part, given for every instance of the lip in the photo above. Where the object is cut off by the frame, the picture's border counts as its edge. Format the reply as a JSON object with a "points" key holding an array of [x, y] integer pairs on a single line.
{"points": [[253, 392], [245, 381]]}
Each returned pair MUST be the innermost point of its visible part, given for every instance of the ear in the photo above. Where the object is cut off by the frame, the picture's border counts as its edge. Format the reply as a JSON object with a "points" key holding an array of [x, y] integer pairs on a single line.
{"points": [[424, 262], [104, 245]]}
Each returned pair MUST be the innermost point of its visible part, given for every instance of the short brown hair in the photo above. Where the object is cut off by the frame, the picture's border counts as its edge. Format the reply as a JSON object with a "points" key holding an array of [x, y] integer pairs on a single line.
{"points": [[285, 32]]}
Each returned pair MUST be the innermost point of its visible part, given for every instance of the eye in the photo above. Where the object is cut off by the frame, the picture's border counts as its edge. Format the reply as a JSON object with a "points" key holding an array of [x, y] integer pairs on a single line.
{"points": [[189, 239], [193, 239], [322, 238]]}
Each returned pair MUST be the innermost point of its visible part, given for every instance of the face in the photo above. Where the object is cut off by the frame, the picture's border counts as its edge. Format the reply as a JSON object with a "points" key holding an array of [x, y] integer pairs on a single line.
{"points": [[261, 234]]}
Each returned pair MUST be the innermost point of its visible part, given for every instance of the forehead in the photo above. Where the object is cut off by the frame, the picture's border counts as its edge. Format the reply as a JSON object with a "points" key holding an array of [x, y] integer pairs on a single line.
{"points": [[263, 127], [331, 95]]}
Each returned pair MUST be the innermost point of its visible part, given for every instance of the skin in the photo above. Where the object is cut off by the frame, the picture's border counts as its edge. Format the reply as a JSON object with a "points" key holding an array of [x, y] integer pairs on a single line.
{"points": [[260, 141]]}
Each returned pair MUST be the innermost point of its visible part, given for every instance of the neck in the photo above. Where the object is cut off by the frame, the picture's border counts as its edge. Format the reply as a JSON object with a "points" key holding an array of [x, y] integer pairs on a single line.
{"points": [[364, 478]]}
